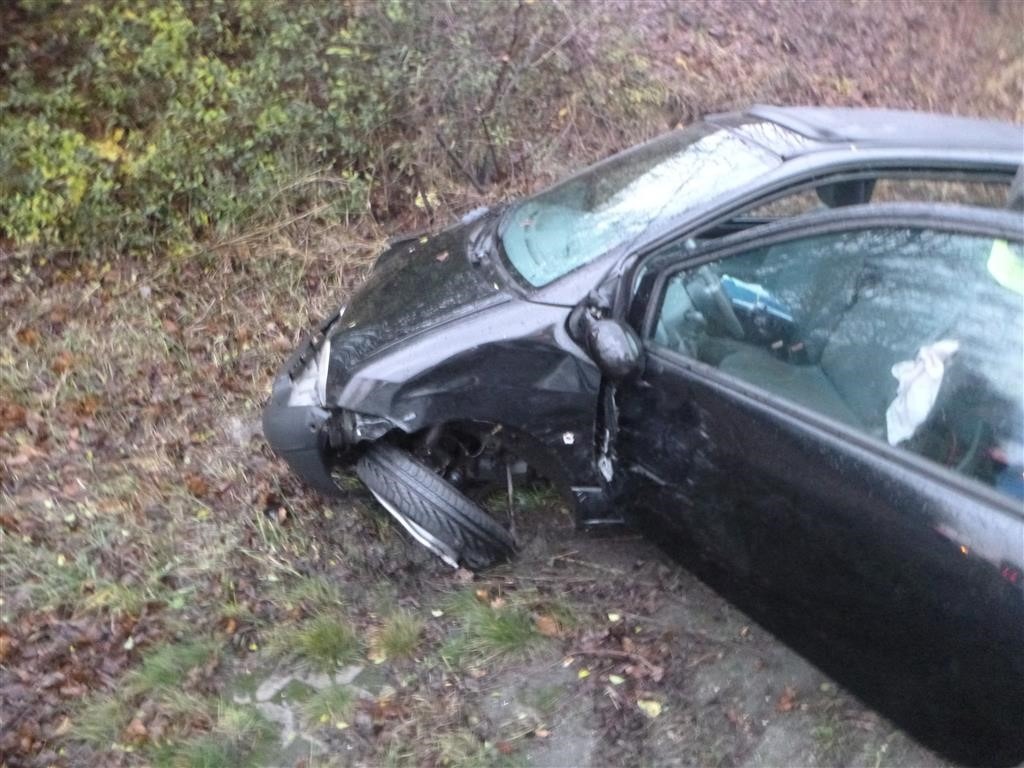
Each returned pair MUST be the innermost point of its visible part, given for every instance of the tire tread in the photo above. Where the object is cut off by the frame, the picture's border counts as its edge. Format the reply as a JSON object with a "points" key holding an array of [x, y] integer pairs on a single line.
{"points": [[435, 505]]}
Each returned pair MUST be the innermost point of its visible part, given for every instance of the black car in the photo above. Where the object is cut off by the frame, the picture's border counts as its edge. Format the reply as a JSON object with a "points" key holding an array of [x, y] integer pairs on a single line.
{"points": [[789, 342]]}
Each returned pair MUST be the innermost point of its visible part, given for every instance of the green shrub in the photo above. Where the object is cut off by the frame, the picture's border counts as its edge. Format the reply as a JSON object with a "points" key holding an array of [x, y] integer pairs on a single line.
{"points": [[149, 124]]}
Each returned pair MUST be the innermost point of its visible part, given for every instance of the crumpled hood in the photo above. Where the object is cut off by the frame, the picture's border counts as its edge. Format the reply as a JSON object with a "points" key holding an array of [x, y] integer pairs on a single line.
{"points": [[417, 283]]}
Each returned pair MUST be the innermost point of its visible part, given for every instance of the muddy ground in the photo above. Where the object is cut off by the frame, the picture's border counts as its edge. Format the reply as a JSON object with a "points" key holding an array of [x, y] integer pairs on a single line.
{"points": [[172, 596]]}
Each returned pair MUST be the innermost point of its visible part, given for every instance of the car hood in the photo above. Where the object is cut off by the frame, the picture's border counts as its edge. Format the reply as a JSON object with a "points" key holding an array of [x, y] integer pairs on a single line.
{"points": [[417, 283]]}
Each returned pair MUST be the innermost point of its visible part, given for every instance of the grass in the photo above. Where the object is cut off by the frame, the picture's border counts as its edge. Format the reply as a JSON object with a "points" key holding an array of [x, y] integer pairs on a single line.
{"points": [[332, 704], [242, 725], [461, 748], [311, 594], [324, 643], [237, 736], [120, 598], [399, 636], [167, 666], [100, 721], [53, 579], [490, 630]]}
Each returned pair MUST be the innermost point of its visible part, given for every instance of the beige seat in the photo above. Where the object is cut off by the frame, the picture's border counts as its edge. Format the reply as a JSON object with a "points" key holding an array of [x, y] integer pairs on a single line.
{"points": [[806, 385]]}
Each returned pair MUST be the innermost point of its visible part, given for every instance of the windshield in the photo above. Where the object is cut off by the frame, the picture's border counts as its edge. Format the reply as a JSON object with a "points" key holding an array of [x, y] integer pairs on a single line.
{"points": [[574, 222]]}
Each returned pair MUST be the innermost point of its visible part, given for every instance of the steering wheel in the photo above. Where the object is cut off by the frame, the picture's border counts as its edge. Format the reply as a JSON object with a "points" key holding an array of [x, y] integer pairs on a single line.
{"points": [[715, 295]]}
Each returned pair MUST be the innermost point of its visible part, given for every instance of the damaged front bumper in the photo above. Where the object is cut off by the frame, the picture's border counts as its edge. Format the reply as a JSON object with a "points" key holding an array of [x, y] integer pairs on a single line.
{"points": [[294, 418], [296, 434]]}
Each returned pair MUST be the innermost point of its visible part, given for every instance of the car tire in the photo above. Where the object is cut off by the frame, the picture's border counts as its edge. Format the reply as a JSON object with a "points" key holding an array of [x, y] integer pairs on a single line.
{"points": [[433, 511]]}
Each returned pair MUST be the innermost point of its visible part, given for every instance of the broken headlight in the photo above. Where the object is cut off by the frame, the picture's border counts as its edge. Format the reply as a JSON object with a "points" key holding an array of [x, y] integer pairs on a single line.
{"points": [[323, 362]]}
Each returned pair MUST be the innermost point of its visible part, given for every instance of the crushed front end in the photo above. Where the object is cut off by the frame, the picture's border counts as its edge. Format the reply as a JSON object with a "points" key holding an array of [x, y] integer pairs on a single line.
{"points": [[295, 417]]}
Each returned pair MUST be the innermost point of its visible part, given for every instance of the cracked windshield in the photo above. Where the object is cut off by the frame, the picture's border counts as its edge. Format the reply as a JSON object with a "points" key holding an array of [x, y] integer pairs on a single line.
{"points": [[608, 206]]}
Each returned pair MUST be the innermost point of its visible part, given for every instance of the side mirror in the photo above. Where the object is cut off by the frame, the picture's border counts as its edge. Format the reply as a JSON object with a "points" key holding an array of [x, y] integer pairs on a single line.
{"points": [[615, 348]]}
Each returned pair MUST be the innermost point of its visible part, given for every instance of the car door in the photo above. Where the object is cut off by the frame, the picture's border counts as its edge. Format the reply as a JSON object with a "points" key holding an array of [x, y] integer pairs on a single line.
{"points": [[828, 426]]}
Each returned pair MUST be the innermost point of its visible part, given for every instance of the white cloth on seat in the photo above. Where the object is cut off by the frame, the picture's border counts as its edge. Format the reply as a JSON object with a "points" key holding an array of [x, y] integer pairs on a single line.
{"points": [[919, 381]]}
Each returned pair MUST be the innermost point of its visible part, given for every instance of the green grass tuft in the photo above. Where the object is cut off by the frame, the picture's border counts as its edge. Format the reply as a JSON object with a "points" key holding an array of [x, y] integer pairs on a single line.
{"points": [[241, 726], [323, 642], [168, 665], [399, 635], [238, 734], [314, 594], [100, 721], [461, 748], [489, 632], [333, 704]]}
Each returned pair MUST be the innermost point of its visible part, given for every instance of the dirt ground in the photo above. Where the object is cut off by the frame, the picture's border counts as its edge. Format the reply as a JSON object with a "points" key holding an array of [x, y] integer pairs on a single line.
{"points": [[171, 595]]}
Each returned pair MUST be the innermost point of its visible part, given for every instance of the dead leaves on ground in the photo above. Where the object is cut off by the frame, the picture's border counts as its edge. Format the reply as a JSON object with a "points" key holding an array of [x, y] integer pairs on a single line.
{"points": [[49, 665]]}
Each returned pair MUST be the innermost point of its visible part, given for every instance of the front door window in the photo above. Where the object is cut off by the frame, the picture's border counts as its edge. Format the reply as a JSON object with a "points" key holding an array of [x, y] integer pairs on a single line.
{"points": [[913, 336]]}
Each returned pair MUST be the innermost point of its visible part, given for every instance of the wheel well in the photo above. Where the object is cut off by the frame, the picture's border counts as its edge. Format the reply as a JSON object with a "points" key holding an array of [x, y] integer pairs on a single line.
{"points": [[481, 451]]}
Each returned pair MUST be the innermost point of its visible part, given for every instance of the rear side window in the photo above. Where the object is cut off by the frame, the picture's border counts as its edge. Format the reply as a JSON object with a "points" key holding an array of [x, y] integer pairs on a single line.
{"points": [[912, 336]]}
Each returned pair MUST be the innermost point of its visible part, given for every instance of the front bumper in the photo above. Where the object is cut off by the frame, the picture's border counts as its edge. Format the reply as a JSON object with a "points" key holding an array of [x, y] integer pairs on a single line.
{"points": [[295, 432], [293, 419]]}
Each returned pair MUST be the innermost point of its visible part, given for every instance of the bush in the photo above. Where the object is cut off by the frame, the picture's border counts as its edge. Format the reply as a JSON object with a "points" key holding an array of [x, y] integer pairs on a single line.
{"points": [[150, 124]]}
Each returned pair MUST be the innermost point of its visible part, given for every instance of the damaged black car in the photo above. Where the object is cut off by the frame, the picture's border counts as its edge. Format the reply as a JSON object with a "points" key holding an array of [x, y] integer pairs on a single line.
{"points": [[789, 340]]}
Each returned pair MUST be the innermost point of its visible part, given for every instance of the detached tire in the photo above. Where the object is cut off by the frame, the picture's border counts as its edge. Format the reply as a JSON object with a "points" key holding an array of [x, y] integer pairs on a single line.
{"points": [[433, 511]]}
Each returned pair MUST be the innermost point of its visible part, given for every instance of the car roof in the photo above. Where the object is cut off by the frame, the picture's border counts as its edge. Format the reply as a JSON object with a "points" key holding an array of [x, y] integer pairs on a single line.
{"points": [[891, 128]]}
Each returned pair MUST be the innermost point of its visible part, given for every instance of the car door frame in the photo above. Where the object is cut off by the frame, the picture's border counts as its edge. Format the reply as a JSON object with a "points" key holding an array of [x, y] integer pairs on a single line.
{"points": [[937, 495]]}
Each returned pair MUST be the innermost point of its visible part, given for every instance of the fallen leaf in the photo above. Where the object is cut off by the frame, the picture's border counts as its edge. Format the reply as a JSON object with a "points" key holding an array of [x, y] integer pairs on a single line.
{"points": [[86, 407], [136, 730], [231, 626], [616, 679], [649, 707], [787, 700], [63, 728], [197, 485], [583, 673], [29, 337], [25, 455], [12, 416], [547, 626], [442, 257], [62, 363]]}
